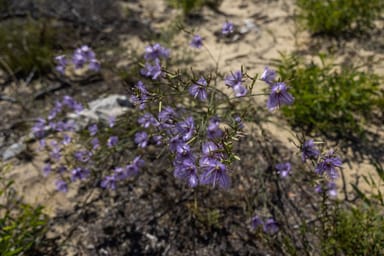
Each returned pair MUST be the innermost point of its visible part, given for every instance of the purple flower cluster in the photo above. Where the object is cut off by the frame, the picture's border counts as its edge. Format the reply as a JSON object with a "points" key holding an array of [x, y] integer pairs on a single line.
{"points": [[42, 126], [283, 169], [122, 173], [198, 153], [199, 89], [270, 226], [82, 56], [196, 42], [141, 95], [279, 94], [235, 81], [193, 162], [156, 51], [152, 55], [152, 70], [327, 165], [77, 163], [227, 28], [309, 151]]}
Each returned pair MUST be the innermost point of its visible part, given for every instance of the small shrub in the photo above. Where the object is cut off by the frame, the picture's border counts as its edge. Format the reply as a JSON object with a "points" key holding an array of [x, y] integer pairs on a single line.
{"points": [[22, 226], [336, 17], [26, 47], [189, 6], [334, 103], [356, 231]]}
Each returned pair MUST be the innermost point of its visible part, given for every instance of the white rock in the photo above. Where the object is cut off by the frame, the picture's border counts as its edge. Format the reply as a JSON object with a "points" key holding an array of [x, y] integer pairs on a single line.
{"points": [[13, 150]]}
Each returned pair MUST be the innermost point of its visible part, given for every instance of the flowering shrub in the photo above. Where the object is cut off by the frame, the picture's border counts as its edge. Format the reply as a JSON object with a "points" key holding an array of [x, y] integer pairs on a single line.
{"points": [[185, 122]]}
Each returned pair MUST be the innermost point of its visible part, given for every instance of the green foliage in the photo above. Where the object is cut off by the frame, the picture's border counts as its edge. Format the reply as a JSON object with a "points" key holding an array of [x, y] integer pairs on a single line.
{"points": [[334, 103], [189, 6], [356, 231], [335, 17], [21, 225], [26, 46]]}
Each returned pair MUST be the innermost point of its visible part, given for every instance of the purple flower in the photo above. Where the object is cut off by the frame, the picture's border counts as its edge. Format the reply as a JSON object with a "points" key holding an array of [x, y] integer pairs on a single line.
{"points": [[55, 110], [157, 139], [174, 142], [234, 79], [61, 63], [156, 51], [109, 182], [183, 151], [141, 101], [84, 55], [199, 90], [52, 125], [214, 172], [42, 144], [268, 76], [279, 96], [210, 151], [186, 128], [69, 125], [83, 156], [55, 154], [166, 114], [119, 173], [196, 42], [209, 148], [92, 129], [111, 121], [38, 129], [141, 139], [141, 88], [112, 141], [167, 118], [95, 143], [79, 174], [94, 65], [134, 167], [239, 122], [309, 150], [61, 186], [47, 169], [283, 169], [71, 103], [78, 59], [87, 52], [147, 120], [319, 188], [186, 170], [332, 189], [240, 90], [153, 71], [227, 28], [328, 165], [271, 226], [213, 129], [256, 222]]}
